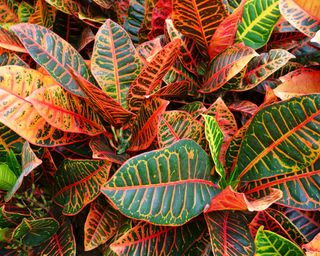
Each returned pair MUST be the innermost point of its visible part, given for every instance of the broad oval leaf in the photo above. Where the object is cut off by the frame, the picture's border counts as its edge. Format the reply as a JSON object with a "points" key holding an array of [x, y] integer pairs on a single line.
{"points": [[258, 20], [270, 243], [198, 19], [78, 183], [281, 139], [66, 111], [146, 239], [169, 186], [229, 233], [39, 42], [299, 17], [225, 66], [114, 63]]}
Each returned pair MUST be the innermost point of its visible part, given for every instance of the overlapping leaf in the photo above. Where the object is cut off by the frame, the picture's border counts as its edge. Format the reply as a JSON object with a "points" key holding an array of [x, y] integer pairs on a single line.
{"points": [[258, 20], [160, 12], [225, 66], [313, 247], [229, 233], [10, 58], [152, 75], [11, 216], [195, 109], [66, 111], [146, 24], [43, 15], [78, 183], [39, 42], [146, 239], [10, 41], [114, 62], [198, 19], [167, 186], [8, 11]]}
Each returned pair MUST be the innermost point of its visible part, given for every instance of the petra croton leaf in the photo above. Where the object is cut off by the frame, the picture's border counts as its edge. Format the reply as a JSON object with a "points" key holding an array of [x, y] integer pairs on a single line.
{"points": [[291, 83], [146, 239], [198, 19], [35, 232], [152, 75], [8, 11], [269, 243], [115, 63], [225, 66], [300, 18], [245, 107], [145, 126], [39, 42], [169, 186], [176, 125], [78, 183], [66, 111], [260, 67], [146, 24], [258, 20], [101, 224], [229, 233], [195, 109], [11, 216], [43, 15], [10, 41], [61, 243]]}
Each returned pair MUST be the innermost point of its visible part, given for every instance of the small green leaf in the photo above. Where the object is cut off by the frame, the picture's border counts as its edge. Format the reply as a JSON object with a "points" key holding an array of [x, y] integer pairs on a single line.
{"points": [[7, 177]]}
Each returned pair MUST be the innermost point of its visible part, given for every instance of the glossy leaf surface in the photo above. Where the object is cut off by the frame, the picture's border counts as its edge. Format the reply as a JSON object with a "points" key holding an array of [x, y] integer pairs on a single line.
{"points": [[174, 175]]}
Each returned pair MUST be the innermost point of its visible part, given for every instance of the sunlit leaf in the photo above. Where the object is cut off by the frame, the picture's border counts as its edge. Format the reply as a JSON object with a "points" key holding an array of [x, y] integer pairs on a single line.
{"points": [[7, 177], [167, 186], [43, 15], [8, 11], [10, 41]]}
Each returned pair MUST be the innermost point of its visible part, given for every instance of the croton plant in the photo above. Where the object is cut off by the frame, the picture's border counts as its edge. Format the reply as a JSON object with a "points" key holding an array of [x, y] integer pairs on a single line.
{"points": [[159, 127]]}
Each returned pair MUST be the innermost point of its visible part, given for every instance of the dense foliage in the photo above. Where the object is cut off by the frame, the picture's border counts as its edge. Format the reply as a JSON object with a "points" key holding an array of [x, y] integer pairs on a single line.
{"points": [[159, 127]]}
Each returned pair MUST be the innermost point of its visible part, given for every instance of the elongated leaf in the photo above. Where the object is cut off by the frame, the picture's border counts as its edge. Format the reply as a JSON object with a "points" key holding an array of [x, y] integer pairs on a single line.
{"points": [[282, 138], [66, 111], [198, 19], [55, 60], [149, 49], [145, 126], [146, 239], [175, 90], [201, 247], [258, 20], [299, 82], [261, 67], [167, 186], [176, 125], [78, 183], [101, 224], [24, 11], [8, 11], [43, 15], [268, 243], [111, 111], [7, 177], [115, 63], [146, 24], [152, 75], [10, 41], [229, 233], [61, 243], [225, 34], [225, 66], [10, 58], [35, 232], [299, 17]]}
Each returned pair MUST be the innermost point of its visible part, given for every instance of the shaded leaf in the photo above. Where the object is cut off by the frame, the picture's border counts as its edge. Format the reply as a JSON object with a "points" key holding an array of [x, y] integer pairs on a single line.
{"points": [[195, 109], [43, 15], [175, 90], [244, 106], [11, 216], [7, 177], [10, 58]]}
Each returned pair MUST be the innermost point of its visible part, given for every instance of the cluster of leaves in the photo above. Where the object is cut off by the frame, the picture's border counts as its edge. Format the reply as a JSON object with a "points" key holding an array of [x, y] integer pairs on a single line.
{"points": [[159, 127]]}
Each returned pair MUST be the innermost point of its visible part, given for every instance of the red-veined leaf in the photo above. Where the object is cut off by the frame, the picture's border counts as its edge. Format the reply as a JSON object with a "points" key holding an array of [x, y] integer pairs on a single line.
{"points": [[146, 239], [299, 17], [198, 19], [225, 66], [195, 109], [169, 186], [229, 233], [114, 63], [299, 82], [175, 90], [61, 243], [145, 126], [10, 41], [24, 11], [10, 58], [38, 41], [66, 111], [106, 4], [313, 248], [101, 224], [175, 125], [287, 68], [244, 106], [8, 11], [11, 215], [225, 33], [285, 41], [78, 183], [110, 110], [44, 14], [152, 75], [149, 49], [145, 27]]}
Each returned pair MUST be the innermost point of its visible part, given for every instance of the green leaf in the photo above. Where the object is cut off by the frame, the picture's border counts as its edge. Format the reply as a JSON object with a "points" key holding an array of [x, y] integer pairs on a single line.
{"points": [[7, 177], [169, 186], [10, 58], [24, 11], [258, 20], [114, 63], [13, 163], [78, 183], [35, 232], [39, 42], [269, 243], [11, 216]]}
